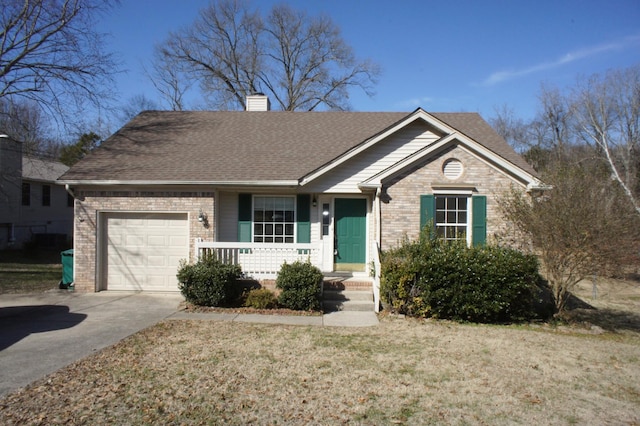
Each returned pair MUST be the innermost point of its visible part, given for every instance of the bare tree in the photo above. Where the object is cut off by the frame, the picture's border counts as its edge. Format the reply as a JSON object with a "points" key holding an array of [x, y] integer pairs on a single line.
{"points": [[169, 80], [579, 228], [512, 128], [51, 54], [316, 65], [134, 106], [24, 121], [607, 116], [302, 62], [554, 120]]}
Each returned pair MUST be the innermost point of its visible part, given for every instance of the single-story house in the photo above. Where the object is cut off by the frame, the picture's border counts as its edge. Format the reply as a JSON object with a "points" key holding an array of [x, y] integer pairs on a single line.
{"points": [[33, 208], [261, 187]]}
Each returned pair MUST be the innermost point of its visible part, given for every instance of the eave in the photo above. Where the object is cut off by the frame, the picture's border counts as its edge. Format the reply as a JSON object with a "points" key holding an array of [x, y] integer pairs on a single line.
{"points": [[262, 183]]}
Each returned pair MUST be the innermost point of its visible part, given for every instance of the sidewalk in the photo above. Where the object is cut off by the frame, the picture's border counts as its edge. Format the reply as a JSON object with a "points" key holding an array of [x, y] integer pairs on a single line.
{"points": [[331, 319]]}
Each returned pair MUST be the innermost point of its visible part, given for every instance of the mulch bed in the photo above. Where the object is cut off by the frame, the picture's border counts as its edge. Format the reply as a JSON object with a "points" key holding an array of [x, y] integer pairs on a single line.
{"points": [[189, 307]]}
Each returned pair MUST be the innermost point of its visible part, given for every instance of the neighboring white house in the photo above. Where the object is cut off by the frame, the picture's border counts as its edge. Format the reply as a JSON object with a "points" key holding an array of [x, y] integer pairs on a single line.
{"points": [[33, 208]]}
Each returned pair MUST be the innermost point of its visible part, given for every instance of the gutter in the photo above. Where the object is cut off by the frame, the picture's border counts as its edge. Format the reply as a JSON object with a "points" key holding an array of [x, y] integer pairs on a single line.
{"points": [[538, 186], [284, 183]]}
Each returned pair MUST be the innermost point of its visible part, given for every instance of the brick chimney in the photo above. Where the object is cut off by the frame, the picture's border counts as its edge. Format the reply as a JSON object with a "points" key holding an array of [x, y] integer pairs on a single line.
{"points": [[257, 102]]}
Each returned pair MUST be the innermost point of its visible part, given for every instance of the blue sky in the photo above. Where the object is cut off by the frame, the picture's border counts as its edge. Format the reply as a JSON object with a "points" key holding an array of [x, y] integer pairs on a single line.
{"points": [[440, 55]]}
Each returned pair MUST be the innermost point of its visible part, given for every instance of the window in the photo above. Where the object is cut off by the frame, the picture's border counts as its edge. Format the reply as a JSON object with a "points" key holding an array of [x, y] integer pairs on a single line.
{"points": [[326, 219], [273, 219], [46, 195], [451, 217], [26, 194], [455, 213]]}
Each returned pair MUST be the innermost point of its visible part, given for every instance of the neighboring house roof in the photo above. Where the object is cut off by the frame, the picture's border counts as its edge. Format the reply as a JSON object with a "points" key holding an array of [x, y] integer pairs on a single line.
{"points": [[249, 146], [42, 170]]}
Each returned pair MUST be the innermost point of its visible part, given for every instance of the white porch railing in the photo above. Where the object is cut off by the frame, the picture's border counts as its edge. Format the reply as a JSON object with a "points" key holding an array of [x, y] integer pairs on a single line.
{"points": [[258, 260]]}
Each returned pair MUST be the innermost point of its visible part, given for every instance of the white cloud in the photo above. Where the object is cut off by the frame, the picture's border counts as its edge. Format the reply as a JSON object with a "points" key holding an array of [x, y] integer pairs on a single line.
{"points": [[414, 102], [500, 76]]}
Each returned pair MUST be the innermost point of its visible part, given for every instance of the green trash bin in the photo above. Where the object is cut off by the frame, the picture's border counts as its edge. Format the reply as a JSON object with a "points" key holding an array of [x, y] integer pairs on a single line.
{"points": [[67, 269]]}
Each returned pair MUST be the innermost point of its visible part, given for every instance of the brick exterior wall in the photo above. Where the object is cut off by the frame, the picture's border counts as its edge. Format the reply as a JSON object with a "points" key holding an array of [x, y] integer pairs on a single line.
{"points": [[90, 204], [401, 211]]}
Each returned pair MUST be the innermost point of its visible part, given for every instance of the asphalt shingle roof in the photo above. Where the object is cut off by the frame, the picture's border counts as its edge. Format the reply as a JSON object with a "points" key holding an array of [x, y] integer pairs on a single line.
{"points": [[41, 169], [232, 146]]}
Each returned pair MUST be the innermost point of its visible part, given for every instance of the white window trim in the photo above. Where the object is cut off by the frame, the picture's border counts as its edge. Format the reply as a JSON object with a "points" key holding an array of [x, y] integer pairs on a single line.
{"points": [[295, 216], [459, 192]]}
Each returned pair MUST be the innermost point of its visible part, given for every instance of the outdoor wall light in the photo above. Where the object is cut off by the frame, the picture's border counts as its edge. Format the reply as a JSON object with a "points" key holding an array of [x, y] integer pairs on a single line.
{"points": [[202, 218], [314, 202]]}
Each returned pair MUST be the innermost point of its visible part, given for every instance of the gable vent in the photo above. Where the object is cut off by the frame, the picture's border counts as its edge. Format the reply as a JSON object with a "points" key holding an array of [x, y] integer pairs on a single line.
{"points": [[452, 169]]}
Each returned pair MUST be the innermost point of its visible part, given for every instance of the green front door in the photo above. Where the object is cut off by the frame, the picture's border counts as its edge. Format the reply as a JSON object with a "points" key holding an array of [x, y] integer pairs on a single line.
{"points": [[350, 234]]}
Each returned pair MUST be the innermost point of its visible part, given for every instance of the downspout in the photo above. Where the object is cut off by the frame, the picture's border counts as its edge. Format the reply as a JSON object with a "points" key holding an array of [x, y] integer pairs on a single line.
{"points": [[69, 190]]}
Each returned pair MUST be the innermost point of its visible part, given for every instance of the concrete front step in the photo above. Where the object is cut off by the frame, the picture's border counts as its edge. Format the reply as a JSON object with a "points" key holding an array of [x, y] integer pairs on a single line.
{"points": [[348, 300], [348, 295], [361, 284]]}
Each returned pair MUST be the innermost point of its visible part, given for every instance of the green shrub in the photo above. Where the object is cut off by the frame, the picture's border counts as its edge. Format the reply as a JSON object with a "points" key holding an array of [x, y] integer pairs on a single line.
{"points": [[301, 286], [261, 298], [434, 278], [209, 282]]}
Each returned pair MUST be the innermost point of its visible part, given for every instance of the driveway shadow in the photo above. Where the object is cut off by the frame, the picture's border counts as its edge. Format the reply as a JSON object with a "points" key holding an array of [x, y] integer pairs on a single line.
{"points": [[18, 322]]}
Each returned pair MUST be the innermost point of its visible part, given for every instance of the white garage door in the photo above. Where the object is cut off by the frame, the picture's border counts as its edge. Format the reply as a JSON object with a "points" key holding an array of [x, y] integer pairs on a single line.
{"points": [[143, 250]]}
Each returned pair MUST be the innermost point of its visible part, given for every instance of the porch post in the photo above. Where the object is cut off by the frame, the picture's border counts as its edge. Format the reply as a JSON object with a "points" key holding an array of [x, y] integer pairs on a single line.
{"points": [[376, 279], [378, 216]]}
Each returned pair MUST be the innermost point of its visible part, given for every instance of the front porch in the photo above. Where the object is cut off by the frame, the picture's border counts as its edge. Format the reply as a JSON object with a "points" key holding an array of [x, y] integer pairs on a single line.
{"points": [[261, 262]]}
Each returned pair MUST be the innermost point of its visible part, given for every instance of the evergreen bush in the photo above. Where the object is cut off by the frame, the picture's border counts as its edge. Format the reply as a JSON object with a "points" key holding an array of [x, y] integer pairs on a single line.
{"points": [[301, 286], [431, 277], [261, 298], [209, 282]]}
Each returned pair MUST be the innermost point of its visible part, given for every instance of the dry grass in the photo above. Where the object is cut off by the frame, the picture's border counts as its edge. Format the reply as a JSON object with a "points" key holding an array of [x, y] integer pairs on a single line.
{"points": [[23, 272], [402, 372]]}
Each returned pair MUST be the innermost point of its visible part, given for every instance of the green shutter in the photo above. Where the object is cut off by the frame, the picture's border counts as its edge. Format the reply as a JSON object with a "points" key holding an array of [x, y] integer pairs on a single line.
{"points": [[427, 210], [244, 218], [303, 212], [479, 225]]}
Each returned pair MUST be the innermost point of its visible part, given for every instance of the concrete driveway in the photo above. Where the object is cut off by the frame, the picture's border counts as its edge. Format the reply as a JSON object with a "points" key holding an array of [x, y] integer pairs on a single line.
{"points": [[41, 333]]}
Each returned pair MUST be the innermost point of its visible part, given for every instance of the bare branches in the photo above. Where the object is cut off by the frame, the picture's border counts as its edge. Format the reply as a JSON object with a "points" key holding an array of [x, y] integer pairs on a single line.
{"points": [[166, 76], [301, 62], [51, 54], [220, 51], [607, 116], [597, 118], [579, 228]]}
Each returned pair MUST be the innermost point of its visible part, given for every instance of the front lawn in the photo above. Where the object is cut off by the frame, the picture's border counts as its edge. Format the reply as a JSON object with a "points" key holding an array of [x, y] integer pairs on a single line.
{"points": [[405, 371], [29, 272]]}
